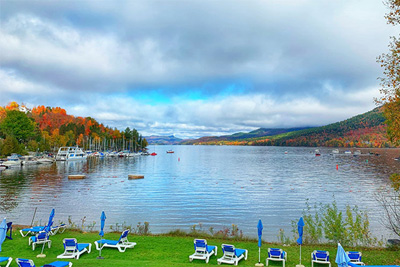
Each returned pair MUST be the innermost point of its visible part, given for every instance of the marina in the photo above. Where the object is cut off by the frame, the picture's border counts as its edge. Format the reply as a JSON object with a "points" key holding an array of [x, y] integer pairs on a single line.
{"points": [[208, 186]]}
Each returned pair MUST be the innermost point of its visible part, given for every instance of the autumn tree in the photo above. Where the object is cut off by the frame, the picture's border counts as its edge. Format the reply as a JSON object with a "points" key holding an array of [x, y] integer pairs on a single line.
{"points": [[390, 62], [390, 198]]}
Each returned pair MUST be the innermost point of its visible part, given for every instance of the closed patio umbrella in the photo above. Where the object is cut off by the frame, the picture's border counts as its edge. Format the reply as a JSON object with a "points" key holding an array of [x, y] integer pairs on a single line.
{"points": [[102, 220], [3, 231], [259, 230], [300, 225], [342, 259], [50, 223]]}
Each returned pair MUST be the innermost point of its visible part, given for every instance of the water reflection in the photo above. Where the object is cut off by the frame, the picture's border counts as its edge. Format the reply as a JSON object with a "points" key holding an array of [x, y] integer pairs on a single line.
{"points": [[212, 185]]}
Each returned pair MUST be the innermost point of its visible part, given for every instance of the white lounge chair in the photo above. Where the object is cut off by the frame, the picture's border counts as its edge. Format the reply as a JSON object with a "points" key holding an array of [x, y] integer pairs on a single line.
{"points": [[5, 260], [232, 255], [36, 229], [202, 251], [276, 254], [41, 238], [73, 249], [355, 257], [320, 256], [121, 244], [30, 263]]}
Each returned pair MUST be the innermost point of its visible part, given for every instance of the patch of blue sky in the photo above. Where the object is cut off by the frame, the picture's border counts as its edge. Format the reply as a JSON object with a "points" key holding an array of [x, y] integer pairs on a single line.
{"points": [[150, 97]]}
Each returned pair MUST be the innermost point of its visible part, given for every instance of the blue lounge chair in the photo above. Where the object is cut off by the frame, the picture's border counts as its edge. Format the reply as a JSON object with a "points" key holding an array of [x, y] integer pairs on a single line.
{"points": [[276, 254], [202, 251], [121, 244], [5, 260], [29, 263], [320, 256], [73, 249], [232, 255], [41, 238], [355, 257], [36, 229]]}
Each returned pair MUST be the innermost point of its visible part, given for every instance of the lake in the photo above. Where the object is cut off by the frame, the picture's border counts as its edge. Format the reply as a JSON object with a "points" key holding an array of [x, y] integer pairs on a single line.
{"points": [[216, 186]]}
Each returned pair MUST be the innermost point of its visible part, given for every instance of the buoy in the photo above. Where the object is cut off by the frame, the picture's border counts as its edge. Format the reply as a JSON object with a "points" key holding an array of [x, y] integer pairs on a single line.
{"points": [[337, 166], [77, 176], [179, 159], [135, 176]]}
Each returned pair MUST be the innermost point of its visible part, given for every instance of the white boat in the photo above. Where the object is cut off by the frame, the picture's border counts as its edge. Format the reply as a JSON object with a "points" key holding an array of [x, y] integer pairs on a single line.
{"points": [[45, 160], [335, 151], [98, 154], [70, 153], [317, 153], [133, 154], [347, 152], [29, 160], [12, 161], [357, 152]]}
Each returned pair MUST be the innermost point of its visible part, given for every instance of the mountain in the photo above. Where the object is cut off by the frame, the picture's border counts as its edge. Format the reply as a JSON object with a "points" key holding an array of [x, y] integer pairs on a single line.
{"points": [[240, 136], [365, 130], [163, 140]]}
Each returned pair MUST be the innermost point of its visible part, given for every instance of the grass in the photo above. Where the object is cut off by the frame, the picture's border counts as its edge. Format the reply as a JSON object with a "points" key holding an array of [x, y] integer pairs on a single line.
{"points": [[166, 250]]}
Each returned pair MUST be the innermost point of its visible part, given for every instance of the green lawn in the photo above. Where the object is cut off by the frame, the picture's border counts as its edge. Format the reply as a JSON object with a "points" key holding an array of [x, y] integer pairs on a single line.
{"points": [[164, 250]]}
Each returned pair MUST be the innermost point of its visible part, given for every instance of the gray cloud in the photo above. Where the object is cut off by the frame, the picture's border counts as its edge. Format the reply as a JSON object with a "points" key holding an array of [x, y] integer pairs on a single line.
{"points": [[182, 64]]}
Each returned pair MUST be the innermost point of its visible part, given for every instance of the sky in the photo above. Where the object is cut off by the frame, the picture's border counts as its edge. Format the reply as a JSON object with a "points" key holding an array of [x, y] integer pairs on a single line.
{"points": [[195, 68]]}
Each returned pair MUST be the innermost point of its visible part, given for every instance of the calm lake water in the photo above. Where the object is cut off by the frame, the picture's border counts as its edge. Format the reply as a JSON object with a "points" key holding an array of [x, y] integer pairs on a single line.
{"points": [[216, 186]]}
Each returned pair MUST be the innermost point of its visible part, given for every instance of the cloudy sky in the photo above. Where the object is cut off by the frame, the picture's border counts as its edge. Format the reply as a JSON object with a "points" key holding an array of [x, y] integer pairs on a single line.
{"points": [[194, 68]]}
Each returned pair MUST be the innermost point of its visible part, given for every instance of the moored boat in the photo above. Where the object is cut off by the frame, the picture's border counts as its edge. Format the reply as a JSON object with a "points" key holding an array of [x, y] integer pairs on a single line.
{"points": [[45, 160], [70, 153], [13, 161], [317, 153], [29, 160], [170, 151]]}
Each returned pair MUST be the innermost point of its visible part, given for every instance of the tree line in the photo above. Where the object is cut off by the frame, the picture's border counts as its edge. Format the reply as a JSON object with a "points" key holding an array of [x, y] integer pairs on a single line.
{"points": [[48, 128]]}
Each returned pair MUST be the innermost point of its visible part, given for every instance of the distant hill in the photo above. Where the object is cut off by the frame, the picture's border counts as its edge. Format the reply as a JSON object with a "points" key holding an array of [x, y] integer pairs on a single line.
{"points": [[163, 140], [365, 130], [240, 136]]}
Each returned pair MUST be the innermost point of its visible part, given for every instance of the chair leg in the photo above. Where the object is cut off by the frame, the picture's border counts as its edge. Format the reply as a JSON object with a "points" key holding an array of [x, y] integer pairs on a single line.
{"points": [[267, 262], [9, 262]]}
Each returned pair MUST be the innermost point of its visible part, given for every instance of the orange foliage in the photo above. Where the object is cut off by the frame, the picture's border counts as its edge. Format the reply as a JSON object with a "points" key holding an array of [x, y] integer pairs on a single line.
{"points": [[12, 106], [2, 113], [50, 120]]}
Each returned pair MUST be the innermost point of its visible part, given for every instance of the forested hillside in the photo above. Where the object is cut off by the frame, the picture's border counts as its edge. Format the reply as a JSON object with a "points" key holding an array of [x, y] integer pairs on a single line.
{"points": [[365, 130], [48, 128]]}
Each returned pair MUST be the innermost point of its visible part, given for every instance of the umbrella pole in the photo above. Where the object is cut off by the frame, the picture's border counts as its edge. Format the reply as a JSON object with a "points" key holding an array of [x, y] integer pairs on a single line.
{"points": [[300, 265], [300, 254], [101, 247], [259, 264], [41, 255]]}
